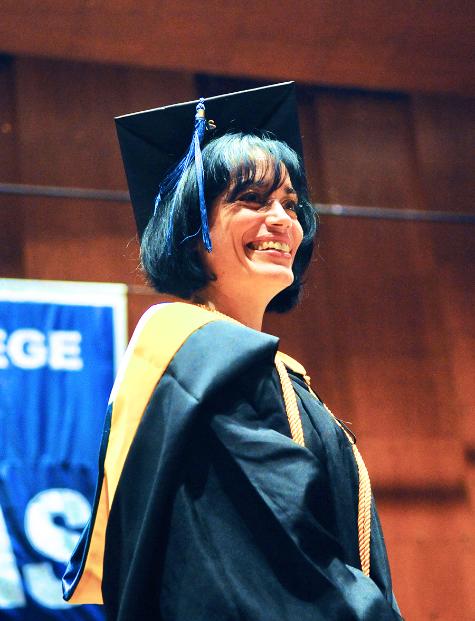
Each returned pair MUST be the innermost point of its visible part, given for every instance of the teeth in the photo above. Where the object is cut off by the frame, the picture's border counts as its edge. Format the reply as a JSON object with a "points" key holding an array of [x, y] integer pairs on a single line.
{"points": [[272, 244]]}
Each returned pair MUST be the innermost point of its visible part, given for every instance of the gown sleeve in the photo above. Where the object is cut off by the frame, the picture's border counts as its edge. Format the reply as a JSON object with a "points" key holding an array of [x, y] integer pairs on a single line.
{"points": [[218, 513]]}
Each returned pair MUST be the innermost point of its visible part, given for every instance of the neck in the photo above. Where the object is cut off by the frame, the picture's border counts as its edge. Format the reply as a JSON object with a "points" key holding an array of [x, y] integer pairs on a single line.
{"points": [[248, 311]]}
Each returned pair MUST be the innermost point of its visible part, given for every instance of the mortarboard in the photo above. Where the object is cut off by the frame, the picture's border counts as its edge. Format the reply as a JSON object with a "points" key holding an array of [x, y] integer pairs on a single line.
{"points": [[154, 141]]}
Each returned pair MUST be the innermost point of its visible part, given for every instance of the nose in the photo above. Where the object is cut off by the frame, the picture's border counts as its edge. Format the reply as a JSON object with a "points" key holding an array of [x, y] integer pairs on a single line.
{"points": [[278, 216]]}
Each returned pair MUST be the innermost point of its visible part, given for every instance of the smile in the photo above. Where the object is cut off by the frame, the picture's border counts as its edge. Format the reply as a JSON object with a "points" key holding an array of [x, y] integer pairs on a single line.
{"points": [[270, 245]]}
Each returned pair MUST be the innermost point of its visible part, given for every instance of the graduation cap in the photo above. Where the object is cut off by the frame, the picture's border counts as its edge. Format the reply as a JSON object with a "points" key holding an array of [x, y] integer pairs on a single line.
{"points": [[156, 148]]}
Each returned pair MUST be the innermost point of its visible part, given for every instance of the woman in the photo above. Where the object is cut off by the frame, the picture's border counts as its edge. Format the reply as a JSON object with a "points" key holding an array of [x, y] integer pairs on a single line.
{"points": [[227, 489]]}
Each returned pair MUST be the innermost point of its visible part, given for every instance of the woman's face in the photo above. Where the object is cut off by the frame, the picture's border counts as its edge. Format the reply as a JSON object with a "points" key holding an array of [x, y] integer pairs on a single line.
{"points": [[255, 239]]}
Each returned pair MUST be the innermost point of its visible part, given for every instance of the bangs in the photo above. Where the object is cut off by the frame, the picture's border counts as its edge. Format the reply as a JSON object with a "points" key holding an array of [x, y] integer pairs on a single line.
{"points": [[240, 161], [262, 172]]}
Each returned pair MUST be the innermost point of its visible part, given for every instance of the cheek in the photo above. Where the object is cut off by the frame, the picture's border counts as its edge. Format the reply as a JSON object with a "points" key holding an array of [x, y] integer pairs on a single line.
{"points": [[297, 233], [218, 261]]}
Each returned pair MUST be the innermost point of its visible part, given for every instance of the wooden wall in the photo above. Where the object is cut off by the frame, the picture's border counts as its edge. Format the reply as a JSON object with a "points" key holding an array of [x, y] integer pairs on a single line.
{"points": [[387, 44], [386, 327]]}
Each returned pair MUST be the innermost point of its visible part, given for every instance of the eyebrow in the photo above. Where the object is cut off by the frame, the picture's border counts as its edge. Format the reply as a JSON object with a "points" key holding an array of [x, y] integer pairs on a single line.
{"points": [[258, 185], [290, 191]]}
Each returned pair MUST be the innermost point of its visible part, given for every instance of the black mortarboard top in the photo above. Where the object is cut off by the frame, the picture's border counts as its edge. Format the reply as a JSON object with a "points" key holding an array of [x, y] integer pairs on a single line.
{"points": [[154, 141]]}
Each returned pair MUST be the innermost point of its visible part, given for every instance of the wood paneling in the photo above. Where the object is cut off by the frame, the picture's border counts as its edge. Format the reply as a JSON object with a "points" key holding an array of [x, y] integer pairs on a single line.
{"points": [[445, 143], [444, 136], [8, 137], [11, 209], [365, 149], [431, 547], [390, 44], [68, 138]]}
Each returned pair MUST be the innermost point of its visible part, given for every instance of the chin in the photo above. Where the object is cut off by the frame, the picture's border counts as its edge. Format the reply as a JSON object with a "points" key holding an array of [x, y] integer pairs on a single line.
{"points": [[280, 277]]}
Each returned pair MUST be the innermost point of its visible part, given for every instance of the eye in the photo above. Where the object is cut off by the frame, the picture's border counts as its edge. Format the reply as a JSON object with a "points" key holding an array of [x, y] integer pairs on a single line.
{"points": [[251, 197], [291, 206]]}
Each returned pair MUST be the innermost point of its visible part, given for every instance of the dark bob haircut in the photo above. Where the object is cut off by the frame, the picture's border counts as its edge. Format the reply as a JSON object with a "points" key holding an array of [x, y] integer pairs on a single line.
{"points": [[175, 265]]}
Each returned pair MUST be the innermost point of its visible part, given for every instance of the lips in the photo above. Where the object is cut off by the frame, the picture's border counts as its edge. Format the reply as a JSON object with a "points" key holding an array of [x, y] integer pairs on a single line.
{"points": [[270, 245]]}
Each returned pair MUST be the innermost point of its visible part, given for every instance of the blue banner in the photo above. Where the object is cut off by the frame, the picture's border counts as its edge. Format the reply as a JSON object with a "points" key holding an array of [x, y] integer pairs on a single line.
{"points": [[58, 347]]}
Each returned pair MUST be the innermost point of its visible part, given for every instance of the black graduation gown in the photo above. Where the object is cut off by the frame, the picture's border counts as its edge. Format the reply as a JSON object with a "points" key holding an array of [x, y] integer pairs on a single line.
{"points": [[219, 515]]}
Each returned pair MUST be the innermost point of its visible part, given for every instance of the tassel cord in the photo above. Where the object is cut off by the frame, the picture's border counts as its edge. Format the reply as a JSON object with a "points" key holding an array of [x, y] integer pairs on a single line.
{"points": [[171, 181], [201, 192]]}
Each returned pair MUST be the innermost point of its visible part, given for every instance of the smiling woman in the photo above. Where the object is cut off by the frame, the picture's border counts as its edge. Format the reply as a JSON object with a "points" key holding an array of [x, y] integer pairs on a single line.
{"points": [[256, 192], [256, 239], [227, 490]]}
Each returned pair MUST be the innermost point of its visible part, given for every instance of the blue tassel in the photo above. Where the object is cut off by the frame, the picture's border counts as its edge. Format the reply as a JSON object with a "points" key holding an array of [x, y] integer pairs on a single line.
{"points": [[170, 183]]}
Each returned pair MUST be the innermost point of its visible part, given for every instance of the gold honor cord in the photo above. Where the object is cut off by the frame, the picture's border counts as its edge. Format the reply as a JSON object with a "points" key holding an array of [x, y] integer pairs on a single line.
{"points": [[364, 494], [364, 484], [290, 401], [364, 503], [296, 431]]}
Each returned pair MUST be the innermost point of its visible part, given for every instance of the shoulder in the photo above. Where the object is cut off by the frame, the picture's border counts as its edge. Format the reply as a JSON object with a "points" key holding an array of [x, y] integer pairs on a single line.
{"points": [[220, 351], [182, 332], [169, 327]]}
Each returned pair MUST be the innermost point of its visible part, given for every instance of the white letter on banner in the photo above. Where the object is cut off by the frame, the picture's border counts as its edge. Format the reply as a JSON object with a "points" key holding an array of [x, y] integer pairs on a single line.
{"points": [[65, 350], [43, 586], [50, 539], [3, 358], [31, 357], [11, 590]]}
